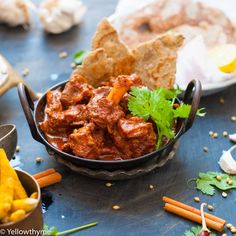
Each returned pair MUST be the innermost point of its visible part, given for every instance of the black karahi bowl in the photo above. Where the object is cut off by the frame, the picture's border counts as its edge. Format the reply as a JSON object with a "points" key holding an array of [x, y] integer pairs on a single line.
{"points": [[34, 113]]}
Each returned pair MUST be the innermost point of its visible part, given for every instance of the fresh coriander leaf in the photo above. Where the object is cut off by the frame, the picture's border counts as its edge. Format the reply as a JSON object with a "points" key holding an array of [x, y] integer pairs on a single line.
{"points": [[50, 231], [182, 111], [195, 231], [207, 182], [79, 56]]}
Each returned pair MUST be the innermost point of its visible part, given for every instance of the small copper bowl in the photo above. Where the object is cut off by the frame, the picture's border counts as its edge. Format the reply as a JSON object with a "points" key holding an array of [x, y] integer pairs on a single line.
{"points": [[32, 223]]}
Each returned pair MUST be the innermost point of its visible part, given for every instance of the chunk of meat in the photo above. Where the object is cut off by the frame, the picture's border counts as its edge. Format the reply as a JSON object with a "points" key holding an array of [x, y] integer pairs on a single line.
{"points": [[58, 120], [76, 91], [86, 141], [134, 137], [102, 111]]}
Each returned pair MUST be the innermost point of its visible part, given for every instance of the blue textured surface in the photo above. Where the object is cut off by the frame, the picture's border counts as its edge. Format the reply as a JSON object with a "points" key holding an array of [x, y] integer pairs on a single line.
{"points": [[82, 200]]}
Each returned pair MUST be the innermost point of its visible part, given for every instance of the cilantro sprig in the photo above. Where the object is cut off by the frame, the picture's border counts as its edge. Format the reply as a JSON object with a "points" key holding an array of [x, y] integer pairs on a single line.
{"points": [[194, 231], [158, 105], [208, 182], [78, 57], [52, 231]]}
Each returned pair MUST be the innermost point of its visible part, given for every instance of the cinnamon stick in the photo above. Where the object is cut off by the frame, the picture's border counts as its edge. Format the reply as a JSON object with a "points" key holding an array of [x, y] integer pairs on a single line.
{"points": [[49, 180], [192, 209], [218, 226], [44, 173]]}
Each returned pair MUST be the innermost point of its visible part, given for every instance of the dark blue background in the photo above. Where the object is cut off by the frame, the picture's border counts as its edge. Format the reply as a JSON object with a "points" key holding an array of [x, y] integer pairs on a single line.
{"points": [[82, 200]]}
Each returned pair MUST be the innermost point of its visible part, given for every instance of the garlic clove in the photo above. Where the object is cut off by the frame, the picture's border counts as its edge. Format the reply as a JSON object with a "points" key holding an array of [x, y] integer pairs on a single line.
{"points": [[232, 137], [227, 162]]}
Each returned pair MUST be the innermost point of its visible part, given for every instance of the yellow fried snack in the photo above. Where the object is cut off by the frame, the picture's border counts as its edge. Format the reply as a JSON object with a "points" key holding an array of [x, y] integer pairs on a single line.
{"points": [[17, 215], [107, 38], [155, 61], [19, 191], [27, 204]]}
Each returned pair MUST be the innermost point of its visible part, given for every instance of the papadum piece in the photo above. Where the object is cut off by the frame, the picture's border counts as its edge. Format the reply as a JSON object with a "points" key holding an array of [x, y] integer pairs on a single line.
{"points": [[106, 37], [155, 61]]}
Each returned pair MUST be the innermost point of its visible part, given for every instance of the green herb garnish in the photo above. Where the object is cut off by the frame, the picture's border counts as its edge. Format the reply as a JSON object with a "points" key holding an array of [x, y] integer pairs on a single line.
{"points": [[52, 231], [158, 105], [78, 57], [209, 181], [195, 231]]}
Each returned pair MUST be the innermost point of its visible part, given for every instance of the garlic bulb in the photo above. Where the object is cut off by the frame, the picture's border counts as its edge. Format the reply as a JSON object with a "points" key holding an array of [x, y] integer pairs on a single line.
{"points": [[227, 162], [232, 137], [58, 16], [15, 12]]}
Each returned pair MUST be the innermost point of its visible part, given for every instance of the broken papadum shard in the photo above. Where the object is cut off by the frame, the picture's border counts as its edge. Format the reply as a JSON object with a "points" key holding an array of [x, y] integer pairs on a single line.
{"points": [[107, 38], [227, 162], [155, 61], [58, 16]]}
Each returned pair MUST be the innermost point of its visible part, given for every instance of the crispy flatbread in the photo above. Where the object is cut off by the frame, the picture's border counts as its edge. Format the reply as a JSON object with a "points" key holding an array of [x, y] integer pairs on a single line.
{"points": [[96, 67], [106, 37], [155, 61]]}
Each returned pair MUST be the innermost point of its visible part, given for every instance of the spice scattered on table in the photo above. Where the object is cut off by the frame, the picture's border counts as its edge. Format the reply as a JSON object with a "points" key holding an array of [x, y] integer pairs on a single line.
{"points": [[221, 101], [215, 135], [63, 54], [25, 72], [233, 118], [224, 194], [108, 184], [196, 199], [17, 148], [193, 214], [151, 186], [210, 207], [115, 207], [38, 160], [211, 133], [229, 225], [205, 149], [47, 178], [225, 133]]}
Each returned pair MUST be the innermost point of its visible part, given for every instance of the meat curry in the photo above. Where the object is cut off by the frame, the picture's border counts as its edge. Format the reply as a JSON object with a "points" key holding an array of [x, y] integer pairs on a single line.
{"points": [[95, 123]]}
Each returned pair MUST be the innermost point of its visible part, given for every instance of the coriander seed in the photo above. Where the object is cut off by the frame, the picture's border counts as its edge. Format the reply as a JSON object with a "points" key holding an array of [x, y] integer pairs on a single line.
{"points": [[233, 230], [63, 55], [224, 194], [151, 187], [218, 177], [233, 118], [215, 135], [210, 207], [17, 148], [229, 181], [229, 225], [205, 149], [225, 133], [224, 234], [221, 101], [25, 72], [108, 184], [196, 199], [211, 133], [115, 207], [38, 159]]}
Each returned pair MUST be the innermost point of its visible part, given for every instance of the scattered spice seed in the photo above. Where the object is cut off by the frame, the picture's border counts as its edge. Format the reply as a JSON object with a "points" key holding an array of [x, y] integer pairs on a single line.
{"points": [[73, 65], [229, 181], [205, 149], [221, 101], [115, 207], [224, 234], [38, 159], [229, 225], [218, 177], [63, 55], [25, 72], [233, 118], [151, 186], [17, 148], [210, 207], [215, 135], [196, 199], [224, 194], [109, 184], [211, 133], [225, 133], [233, 230]]}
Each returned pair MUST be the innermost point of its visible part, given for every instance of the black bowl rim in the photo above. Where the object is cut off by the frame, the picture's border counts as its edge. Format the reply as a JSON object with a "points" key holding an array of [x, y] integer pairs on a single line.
{"points": [[46, 143]]}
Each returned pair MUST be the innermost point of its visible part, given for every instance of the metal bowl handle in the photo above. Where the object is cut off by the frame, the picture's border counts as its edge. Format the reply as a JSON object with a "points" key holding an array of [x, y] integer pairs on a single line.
{"points": [[193, 91], [28, 108]]}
